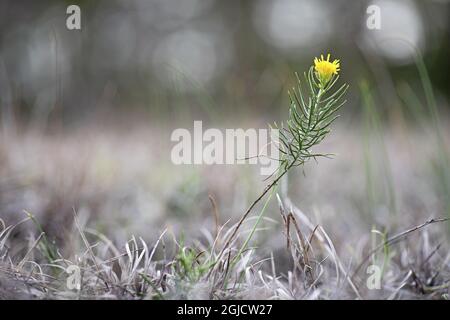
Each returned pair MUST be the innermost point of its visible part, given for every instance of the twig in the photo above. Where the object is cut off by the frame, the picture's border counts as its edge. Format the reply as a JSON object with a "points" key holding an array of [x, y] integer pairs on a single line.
{"points": [[244, 216], [216, 213], [395, 238]]}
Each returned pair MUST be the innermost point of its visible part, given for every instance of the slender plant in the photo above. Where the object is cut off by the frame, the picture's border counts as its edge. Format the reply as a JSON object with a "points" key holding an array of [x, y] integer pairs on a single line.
{"points": [[312, 111]]}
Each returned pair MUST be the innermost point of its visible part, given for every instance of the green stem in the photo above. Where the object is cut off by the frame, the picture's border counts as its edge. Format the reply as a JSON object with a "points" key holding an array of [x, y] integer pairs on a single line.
{"points": [[250, 236], [315, 106]]}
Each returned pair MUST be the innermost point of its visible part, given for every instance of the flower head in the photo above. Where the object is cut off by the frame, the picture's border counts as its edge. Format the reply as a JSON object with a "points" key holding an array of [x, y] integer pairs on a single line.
{"points": [[325, 69]]}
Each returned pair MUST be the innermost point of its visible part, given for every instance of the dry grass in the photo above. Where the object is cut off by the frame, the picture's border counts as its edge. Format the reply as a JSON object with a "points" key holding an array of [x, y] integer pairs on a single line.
{"points": [[88, 193]]}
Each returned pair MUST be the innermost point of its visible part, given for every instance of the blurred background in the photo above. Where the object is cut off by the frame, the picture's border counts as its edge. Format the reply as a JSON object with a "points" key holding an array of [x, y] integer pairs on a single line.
{"points": [[86, 115], [204, 58]]}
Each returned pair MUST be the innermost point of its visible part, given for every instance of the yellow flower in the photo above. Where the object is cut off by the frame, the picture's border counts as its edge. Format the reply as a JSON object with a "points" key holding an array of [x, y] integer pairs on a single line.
{"points": [[325, 69]]}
